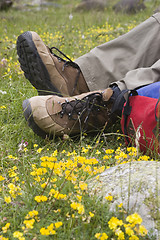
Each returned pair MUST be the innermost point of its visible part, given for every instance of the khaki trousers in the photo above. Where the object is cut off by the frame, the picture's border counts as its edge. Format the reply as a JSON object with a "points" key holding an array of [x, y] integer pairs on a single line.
{"points": [[131, 60]]}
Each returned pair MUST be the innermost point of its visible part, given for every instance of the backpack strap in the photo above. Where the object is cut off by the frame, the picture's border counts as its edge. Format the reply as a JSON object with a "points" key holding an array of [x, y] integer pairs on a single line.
{"points": [[157, 119], [126, 112]]}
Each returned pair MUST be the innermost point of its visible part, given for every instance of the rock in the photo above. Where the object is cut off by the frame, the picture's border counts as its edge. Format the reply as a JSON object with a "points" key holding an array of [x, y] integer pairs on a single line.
{"points": [[37, 5], [129, 6], [5, 4], [87, 5], [36, 2], [137, 186], [50, 4]]}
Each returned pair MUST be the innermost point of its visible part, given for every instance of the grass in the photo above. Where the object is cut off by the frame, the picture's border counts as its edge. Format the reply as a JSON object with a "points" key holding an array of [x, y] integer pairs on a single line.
{"points": [[56, 169]]}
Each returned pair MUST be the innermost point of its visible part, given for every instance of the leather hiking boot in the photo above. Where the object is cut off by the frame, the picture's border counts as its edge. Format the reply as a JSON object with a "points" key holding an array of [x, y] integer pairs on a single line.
{"points": [[47, 72], [54, 115]]}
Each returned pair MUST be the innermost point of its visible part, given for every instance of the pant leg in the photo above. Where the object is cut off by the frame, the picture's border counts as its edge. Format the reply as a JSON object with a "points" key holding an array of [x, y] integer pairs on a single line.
{"points": [[111, 61], [141, 76]]}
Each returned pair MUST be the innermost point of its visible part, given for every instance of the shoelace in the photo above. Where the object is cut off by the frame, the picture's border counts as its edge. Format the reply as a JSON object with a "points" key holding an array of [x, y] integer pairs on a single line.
{"points": [[67, 63], [87, 105]]}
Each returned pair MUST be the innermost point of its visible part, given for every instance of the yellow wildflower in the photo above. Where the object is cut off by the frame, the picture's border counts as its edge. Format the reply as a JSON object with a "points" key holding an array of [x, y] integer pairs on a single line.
{"points": [[12, 157], [120, 205], [5, 228], [51, 229], [129, 231], [31, 214], [58, 224], [78, 206], [89, 147], [17, 234], [58, 195], [133, 237], [3, 238], [54, 154], [29, 223], [25, 149], [132, 151], [114, 223], [1, 178], [7, 199], [44, 231], [141, 230], [91, 214], [143, 158], [84, 150], [106, 157], [104, 236], [82, 185], [97, 152], [14, 190], [43, 185], [40, 198], [101, 236], [97, 235], [109, 198], [39, 150], [119, 234], [48, 231], [79, 197], [134, 219], [2, 107], [109, 151]]}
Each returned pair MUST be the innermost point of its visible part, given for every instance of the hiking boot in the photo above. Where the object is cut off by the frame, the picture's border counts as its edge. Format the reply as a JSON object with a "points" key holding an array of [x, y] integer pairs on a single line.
{"points": [[54, 115], [47, 72]]}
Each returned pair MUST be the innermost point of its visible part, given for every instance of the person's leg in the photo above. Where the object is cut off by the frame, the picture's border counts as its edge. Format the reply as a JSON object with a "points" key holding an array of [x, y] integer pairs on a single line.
{"points": [[142, 76], [110, 62], [95, 70], [52, 115]]}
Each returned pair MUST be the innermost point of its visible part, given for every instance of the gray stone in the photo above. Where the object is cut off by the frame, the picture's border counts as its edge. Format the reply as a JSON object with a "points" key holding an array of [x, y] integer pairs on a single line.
{"points": [[5, 4], [129, 6], [36, 4], [87, 5], [137, 186]]}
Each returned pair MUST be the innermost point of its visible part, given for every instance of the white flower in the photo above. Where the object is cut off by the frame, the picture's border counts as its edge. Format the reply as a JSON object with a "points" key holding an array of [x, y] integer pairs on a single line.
{"points": [[70, 16], [3, 62], [3, 92]]}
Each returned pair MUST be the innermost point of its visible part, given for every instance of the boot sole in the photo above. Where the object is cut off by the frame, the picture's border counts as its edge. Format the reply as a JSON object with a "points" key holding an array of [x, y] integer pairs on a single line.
{"points": [[33, 67], [27, 111]]}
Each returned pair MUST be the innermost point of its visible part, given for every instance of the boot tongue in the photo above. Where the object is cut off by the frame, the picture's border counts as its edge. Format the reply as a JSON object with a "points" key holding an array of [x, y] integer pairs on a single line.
{"points": [[53, 103], [107, 93], [56, 105]]}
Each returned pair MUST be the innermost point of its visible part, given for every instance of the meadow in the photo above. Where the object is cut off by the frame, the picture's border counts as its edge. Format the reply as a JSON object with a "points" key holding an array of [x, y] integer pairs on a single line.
{"points": [[43, 183]]}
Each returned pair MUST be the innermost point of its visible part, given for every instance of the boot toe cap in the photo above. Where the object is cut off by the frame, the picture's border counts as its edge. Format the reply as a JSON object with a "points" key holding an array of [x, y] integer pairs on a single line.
{"points": [[28, 114], [36, 114]]}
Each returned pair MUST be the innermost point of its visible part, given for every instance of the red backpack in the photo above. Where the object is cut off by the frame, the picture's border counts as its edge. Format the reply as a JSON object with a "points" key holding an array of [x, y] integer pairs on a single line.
{"points": [[140, 121]]}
